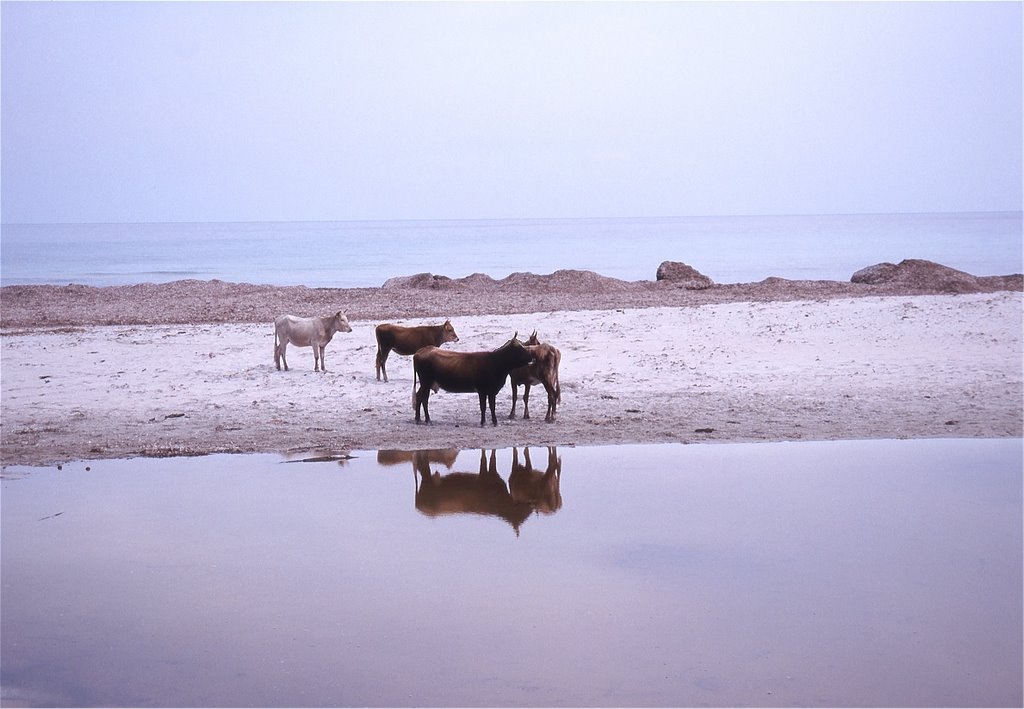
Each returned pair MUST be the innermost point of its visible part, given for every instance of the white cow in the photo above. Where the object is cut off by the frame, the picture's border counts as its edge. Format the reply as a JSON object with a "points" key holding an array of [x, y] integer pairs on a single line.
{"points": [[307, 332]]}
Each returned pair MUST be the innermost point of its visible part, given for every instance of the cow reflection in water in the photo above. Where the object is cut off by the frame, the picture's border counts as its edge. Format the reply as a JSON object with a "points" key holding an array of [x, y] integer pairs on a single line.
{"points": [[540, 489], [485, 492], [420, 459]]}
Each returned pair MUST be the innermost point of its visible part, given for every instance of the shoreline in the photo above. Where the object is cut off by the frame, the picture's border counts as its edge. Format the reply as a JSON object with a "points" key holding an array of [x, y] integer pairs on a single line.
{"points": [[186, 368], [427, 295]]}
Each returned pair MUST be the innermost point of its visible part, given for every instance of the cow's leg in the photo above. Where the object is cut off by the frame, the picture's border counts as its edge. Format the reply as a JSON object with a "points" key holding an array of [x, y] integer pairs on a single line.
{"points": [[284, 360], [382, 358], [526, 400], [422, 397], [552, 402], [494, 417], [515, 397], [323, 358], [483, 406]]}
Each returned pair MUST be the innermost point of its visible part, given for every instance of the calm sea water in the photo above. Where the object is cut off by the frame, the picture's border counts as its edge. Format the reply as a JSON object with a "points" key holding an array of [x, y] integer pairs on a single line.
{"points": [[365, 254], [857, 573]]}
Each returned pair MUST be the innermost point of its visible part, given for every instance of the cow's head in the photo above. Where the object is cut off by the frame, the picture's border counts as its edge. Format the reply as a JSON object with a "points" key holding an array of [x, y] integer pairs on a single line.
{"points": [[448, 332], [515, 352], [341, 322], [534, 340]]}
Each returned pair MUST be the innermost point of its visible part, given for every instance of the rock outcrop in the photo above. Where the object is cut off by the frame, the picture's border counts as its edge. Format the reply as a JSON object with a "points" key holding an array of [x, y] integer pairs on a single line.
{"points": [[683, 276]]}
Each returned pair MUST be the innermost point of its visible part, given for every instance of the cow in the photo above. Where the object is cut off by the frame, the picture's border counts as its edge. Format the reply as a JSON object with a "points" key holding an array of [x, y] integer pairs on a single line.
{"points": [[543, 370], [307, 332], [406, 340], [482, 372]]}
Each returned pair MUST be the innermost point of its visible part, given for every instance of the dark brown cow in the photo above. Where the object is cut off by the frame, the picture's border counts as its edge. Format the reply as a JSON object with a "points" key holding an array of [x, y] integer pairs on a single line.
{"points": [[482, 372], [407, 340], [543, 370]]}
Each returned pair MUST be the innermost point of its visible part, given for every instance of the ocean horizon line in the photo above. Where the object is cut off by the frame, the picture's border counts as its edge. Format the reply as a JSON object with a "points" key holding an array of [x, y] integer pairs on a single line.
{"points": [[505, 220]]}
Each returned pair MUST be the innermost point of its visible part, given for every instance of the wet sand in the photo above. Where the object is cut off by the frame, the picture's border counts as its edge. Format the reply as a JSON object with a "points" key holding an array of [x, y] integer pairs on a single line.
{"points": [[187, 368]]}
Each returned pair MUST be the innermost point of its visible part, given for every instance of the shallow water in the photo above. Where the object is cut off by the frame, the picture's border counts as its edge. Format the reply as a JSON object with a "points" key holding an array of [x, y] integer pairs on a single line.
{"points": [[850, 573]]}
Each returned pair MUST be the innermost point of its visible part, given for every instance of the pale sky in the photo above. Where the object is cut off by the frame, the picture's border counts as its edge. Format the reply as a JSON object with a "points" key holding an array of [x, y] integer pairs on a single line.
{"points": [[201, 111]]}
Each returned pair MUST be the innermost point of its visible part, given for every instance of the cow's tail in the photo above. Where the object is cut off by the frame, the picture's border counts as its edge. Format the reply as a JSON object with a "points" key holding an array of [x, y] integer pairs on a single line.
{"points": [[380, 345], [558, 384], [277, 356]]}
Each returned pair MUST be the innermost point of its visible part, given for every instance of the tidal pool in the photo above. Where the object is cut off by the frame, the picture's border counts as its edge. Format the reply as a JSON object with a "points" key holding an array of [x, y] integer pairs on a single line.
{"points": [[859, 573]]}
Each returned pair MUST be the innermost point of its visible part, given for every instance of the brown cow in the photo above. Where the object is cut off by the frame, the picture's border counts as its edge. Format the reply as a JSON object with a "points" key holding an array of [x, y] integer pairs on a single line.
{"points": [[543, 370], [482, 372], [307, 332], [406, 340]]}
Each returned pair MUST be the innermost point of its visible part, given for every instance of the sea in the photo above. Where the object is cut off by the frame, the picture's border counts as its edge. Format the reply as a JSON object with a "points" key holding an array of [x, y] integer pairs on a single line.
{"points": [[356, 254]]}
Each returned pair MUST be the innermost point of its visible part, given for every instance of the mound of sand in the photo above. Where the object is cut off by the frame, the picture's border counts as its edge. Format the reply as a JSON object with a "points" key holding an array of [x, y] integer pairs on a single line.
{"points": [[563, 281], [918, 274]]}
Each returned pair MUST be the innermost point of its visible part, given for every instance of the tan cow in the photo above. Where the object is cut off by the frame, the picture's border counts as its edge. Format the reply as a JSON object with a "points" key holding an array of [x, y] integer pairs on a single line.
{"points": [[543, 370], [307, 332]]}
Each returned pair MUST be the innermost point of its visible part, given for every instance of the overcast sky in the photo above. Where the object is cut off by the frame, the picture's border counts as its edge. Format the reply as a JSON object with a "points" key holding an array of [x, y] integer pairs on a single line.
{"points": [[333, 111]]}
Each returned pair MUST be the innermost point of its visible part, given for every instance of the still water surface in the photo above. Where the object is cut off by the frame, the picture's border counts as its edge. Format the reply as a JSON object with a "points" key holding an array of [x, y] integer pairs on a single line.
{"points": [[852, 573]]}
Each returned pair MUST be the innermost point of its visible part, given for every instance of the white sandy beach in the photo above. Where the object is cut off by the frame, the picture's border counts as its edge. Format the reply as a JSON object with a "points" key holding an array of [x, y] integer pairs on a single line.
{"points": [[869, 367]]}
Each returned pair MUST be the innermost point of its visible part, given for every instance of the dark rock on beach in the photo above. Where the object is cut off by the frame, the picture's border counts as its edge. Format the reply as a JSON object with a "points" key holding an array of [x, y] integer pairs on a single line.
{"points": [[683, 276]]}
